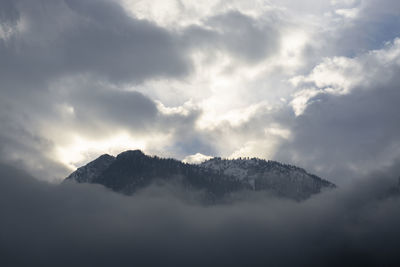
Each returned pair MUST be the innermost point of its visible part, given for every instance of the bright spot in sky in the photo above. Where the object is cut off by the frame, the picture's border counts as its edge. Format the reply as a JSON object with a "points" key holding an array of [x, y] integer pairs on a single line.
{"points": [[74, 154]]}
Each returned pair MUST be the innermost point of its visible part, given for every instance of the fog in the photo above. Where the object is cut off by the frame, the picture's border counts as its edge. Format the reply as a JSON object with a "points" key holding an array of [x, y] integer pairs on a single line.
{"points": [[72, 224]]}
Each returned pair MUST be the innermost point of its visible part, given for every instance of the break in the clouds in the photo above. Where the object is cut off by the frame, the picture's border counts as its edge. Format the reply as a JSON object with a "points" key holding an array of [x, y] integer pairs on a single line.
{"points": [[312, 83]]}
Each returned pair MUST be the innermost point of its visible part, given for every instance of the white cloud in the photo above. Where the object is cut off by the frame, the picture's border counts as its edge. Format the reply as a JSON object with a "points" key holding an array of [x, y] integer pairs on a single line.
{"points": [[196, 158], [350, 13], [178, 14], [341, 75]]}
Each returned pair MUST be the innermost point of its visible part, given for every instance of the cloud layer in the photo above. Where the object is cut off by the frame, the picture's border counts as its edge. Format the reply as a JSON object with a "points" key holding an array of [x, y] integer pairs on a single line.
{"points": [[85, 225]]}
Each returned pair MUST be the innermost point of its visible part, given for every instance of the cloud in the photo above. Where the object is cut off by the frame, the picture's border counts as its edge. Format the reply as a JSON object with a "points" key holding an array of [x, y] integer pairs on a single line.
{"points": [[85, 225], [349, 28], [179, 78], [241, 36], [82, 119], [69, 71], [196, 158], [112, 109], [9, 14], [75, 37], [62, 76], [347, 114]]}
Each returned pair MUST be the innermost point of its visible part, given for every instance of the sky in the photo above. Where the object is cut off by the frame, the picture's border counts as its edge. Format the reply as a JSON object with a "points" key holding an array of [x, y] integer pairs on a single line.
{"points": [[310, 83]]}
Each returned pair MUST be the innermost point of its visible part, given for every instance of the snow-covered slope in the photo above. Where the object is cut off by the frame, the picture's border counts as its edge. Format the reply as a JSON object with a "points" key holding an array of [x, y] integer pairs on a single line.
{"points": [[87, 173], [260, 174]]}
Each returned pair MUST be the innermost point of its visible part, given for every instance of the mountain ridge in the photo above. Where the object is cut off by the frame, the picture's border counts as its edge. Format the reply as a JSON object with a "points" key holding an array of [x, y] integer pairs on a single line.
{"points": [[132, 170]]}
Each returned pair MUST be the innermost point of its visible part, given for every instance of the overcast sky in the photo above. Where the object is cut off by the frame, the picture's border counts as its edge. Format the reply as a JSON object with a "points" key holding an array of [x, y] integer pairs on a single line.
{"points": [[312, 83]]}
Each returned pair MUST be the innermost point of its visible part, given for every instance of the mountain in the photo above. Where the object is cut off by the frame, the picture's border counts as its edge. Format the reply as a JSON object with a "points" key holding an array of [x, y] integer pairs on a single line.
{"points": [[133, 170], [92, 170], [283, 179]]}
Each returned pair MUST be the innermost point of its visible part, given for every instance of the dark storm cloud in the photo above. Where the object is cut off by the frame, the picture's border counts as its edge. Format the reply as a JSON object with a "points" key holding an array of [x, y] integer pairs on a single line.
{"points": [[85, 225], [112, 108], [375, 24], [21, 148], [61, 38], [240, 35], [109, 110], [21, 145], [342, 136], [70, 37], [9, 15]]}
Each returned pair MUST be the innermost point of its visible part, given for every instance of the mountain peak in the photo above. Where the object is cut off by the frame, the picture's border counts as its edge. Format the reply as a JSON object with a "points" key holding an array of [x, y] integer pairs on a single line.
{"points": [[105, 157], [131, 154], [87, 173]]}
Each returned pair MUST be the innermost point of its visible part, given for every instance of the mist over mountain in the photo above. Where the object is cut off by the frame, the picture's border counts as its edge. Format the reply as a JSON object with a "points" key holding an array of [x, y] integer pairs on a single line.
{"points": [[132, 170], [71, 224]]}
